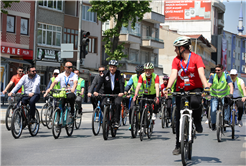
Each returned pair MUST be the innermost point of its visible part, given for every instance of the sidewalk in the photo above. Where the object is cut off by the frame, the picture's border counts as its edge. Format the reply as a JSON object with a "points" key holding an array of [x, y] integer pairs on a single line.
{"points": [[87, 108]]}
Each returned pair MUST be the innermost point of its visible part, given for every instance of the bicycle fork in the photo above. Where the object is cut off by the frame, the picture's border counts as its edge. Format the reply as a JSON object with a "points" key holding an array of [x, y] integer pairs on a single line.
{"points": [[188, 113]]}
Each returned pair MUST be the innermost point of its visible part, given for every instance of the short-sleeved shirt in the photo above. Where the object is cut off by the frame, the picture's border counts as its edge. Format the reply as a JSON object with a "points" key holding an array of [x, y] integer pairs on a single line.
{"points": [[228, 79], [236, 91], [163, 87], [140, 80], [192, 72], [15, 79], [67, 82]]}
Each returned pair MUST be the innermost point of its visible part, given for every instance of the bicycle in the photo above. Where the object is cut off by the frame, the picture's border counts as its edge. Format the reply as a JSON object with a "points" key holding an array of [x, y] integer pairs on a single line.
{"points": [[173, 124], [164, 114], [97, 118], [108, 122], [146, 122], [77, 115], [187, 132], [135, 119], [10, 110], [62, 118], [124, 111], [234, 115], [19, 120], [47, 111], [220, 124]]}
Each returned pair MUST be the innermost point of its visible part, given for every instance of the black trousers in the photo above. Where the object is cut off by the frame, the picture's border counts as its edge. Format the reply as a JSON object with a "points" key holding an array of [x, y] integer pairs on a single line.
{"points": [[195, 104], [71, 100], [156, 106], [239, 105], [117, 102]]}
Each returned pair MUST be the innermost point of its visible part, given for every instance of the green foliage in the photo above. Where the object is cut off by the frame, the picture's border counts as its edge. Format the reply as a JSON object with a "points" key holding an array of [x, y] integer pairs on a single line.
{"points": [[122, 11], [7, 4]]}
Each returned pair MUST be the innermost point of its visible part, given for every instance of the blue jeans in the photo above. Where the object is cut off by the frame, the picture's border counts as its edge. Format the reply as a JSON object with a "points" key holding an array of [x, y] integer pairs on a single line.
{"points": [[214, 104], [33, 100]]}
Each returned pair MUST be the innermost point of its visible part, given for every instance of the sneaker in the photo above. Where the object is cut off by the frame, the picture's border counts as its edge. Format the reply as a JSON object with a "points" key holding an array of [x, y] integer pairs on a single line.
{"points": [[206, 122], [213, 127], [129, 127], [226, 123], [154, 116], [116, 125], [240, 123], [176, 151], [199, 128]]}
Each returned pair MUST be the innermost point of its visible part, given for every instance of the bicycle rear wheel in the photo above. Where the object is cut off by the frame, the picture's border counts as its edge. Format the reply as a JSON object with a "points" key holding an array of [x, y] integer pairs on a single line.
{"points": [[233, 124], [56, 124], [96, 121], [16, 123], [69, 124], [8, 117], [184, 140], [219, 125], [34, 127], [134, 122], [174, 120], [162, 116], [209, 117], [124, 116], [77, 119], [106, 123], [48, 117], [44, 113]]}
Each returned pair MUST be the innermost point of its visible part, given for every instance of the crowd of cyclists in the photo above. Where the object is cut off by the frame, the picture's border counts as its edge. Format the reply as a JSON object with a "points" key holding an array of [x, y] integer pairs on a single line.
{"points": [[187, 74]]}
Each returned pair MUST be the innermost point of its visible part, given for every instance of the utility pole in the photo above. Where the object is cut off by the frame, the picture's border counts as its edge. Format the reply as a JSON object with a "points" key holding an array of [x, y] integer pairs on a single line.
{"points": [[79, 33]]}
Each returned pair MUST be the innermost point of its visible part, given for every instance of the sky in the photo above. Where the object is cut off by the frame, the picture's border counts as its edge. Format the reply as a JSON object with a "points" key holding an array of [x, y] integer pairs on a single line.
{"points": [[231, 15]]}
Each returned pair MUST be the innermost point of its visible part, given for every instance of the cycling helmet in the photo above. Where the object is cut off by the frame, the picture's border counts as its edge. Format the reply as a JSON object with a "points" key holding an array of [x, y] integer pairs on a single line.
{"points": [[148, 65], [113, 62], [139, 68], [182, 41], [165, 77]]}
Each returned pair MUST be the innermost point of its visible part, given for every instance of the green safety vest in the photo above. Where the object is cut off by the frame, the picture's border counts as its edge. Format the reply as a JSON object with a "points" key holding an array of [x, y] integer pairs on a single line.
{"points": [[57, 86], [134, 85], [239, 81], [151, 88], [220, 87], [78, 88], [125, 83]]}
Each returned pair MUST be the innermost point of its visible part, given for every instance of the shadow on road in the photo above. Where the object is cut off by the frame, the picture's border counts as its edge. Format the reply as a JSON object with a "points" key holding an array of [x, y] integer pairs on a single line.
{"points": [[198, 159]]}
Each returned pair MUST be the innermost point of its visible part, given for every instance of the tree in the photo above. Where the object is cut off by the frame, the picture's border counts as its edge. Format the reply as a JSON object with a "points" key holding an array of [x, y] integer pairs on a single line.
{"points": [[7, 4], [122, 11]]}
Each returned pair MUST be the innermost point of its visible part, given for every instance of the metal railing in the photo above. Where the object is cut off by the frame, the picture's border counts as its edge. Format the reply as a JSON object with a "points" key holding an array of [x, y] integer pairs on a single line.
{"points": [[151, 38], [130, 32]]}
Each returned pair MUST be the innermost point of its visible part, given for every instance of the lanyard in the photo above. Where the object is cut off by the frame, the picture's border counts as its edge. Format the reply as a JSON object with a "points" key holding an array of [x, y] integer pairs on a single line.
{"points": [[148, 85], [186, 65], [66, 82]]}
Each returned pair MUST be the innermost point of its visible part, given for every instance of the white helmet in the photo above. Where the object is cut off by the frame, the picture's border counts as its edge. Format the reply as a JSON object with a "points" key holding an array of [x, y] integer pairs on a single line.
{"points": [[182, 41]]}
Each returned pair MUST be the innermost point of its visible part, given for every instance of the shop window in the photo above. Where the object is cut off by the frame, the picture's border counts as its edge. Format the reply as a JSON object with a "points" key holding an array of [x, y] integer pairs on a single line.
{"points": [[24, 28], [10, 24], [49, 35]]}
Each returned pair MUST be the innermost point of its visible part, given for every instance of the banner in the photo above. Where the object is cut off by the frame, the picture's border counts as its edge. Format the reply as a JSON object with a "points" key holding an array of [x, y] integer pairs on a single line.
{"points": [[187, 10], [224, 53]]}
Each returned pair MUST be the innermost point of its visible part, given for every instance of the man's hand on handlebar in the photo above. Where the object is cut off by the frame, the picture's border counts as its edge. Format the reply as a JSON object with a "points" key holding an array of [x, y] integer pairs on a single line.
{"points": [[46, 93], [95, 94]]}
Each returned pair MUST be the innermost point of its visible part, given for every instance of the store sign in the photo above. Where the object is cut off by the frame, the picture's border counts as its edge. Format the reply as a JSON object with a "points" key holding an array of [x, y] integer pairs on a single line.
{"points": [[26, 54], [49, 55]]}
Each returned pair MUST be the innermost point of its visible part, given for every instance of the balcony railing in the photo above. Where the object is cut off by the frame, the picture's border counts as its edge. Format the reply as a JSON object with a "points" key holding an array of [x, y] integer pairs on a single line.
{"points": [[130, 32], [152, 38]]}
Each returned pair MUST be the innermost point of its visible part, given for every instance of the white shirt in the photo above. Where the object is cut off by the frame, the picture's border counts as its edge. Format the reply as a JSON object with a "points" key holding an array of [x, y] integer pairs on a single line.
{"points": [[67, 82], [236, 92], [112, 77]]}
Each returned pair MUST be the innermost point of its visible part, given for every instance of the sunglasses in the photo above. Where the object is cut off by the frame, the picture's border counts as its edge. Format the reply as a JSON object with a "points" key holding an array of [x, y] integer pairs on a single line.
{"points": [[69, 67], [217, 70], [100, 71], [34, 71], [55, 74], [21, 71]]}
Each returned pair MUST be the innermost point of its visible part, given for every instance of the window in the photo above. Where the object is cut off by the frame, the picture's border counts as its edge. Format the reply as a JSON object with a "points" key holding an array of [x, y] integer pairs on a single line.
{"points": [[10, 24], [136, 30], [243, 56], [229, 53], [24, 26], [144, 57], [133, 56], [154, 33], [154, 59], [105, 26], [238, 56], [88, 16], [53, 4], [71, 36], [92, 47], [228, 67], [239, 43], [145, 31], [49, 34]]}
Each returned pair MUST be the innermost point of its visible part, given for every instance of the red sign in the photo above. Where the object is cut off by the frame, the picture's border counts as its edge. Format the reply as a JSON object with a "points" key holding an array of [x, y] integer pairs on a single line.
{"points": [[24, 53], [187, 9]]}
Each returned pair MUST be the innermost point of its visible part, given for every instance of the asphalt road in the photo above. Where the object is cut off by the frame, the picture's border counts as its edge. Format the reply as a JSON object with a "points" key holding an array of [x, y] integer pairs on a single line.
{"points": [[83, 148]]}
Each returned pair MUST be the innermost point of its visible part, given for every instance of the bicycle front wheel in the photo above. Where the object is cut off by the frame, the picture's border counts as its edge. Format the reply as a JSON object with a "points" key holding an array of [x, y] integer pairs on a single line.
{"points": [[134, 122], [34, 127], [163, 118], [78, 119], [16, 123], [106, 123], [8, 117], [233, 124], [174, 120], [209, 117], [124, 116], [96, 121], [56, 124], [184, 140], [48, 117], [219, 125], [69, 124], [44, 113]]}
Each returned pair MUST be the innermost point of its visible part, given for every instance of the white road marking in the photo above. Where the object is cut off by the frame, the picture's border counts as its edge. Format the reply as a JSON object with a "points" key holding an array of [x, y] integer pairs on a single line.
{"points": [[243, 154]]}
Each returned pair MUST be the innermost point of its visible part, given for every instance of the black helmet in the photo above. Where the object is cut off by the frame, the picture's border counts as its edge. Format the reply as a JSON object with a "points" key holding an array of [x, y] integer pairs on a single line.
{"points": [[139, 68], [113, 62]]}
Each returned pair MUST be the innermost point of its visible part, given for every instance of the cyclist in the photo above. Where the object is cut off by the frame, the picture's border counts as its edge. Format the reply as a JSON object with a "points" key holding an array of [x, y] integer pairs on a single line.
{"points": [[239, 91], [132, 84], [80, 90], [67, 80], [113, 84], [169, 100], [219, 84], [150, 82], [188, 68], [31, 83], [94, 84], [52, 79], [15, 79]]}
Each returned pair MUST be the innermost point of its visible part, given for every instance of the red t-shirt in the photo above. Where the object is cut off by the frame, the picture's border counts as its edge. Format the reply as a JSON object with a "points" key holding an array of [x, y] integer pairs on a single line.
{"points": [[15, 79], [140, 80], [163, 87], [192, 72]]}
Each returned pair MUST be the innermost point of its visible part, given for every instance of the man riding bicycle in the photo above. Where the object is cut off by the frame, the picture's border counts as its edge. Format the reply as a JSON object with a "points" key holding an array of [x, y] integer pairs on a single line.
{"points": [[188, 68], [80, 90], [113, 84], [68, 80], [31, 83], [238, 92], [132, 84], [163, 88], [150, 82], [221, 85]]}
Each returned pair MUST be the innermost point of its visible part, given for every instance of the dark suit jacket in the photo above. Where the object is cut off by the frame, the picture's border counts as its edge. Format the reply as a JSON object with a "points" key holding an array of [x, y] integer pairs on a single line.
{"points": [[106, 80], [95, 83]]}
